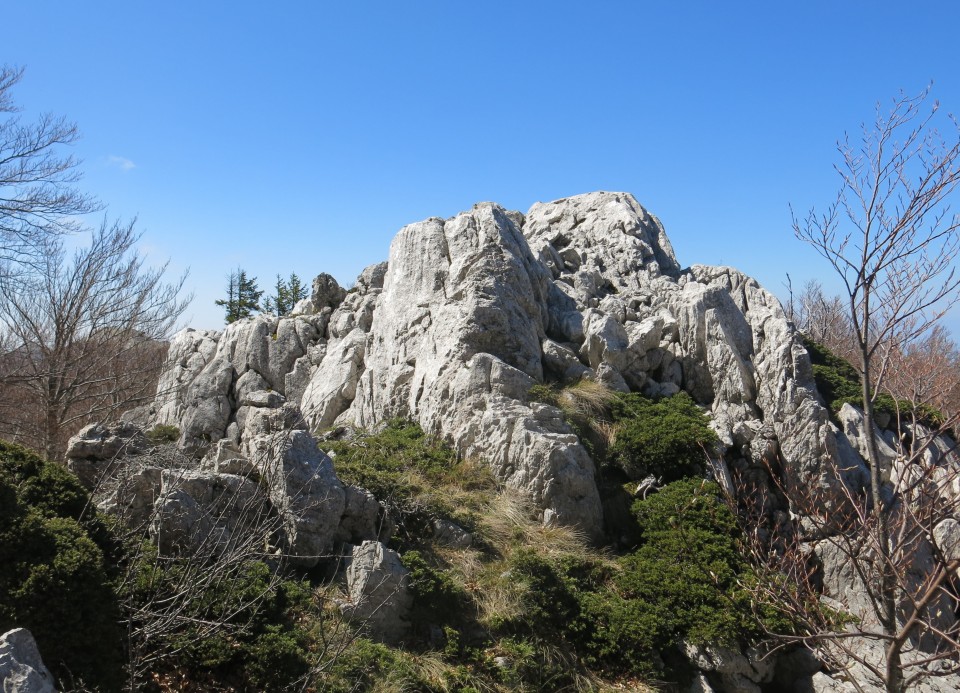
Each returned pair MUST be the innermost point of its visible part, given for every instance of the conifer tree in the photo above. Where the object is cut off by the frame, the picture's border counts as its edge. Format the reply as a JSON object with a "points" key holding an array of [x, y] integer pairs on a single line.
{"points": [[243, 296]]}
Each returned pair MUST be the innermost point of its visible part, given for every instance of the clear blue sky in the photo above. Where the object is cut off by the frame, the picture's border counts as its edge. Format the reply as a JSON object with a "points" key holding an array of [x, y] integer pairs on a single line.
{"points": [[300, 136]]}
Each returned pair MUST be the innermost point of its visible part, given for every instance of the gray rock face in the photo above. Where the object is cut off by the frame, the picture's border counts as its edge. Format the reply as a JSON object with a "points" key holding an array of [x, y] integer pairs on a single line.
{"points": [[455, 343], [208, 377], [326, 292], [854, 428], [206, 513], [190, 352], [380, 598], [134, 497], [947, 537], [21, 668], [303, 489], [96, 449], [742, 672]]}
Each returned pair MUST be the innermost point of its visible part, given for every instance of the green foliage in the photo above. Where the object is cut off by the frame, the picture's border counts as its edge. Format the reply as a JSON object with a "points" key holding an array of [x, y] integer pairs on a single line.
{"points": [[665, 438], [163, 433], [275, 659], [682, 584], [287, 293], [259, 644], [689, 565], [365, 664], [839, 383], [545, 394], [408, 471], [243, 296], [54, 579], [436, 597], [47, 488]]}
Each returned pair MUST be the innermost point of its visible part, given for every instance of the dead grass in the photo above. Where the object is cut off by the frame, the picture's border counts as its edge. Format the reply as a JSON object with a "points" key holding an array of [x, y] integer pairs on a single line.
{"points": [[587, 398]]}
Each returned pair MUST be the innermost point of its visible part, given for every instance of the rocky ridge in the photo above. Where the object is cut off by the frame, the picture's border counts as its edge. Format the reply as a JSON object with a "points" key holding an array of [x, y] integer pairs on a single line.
{"points": [[469, 312], [466, 315]]}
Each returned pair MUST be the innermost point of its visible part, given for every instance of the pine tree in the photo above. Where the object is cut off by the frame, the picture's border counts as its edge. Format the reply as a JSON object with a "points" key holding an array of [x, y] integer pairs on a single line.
{"points": [[287, 294], [248, 295], [243, 296], [295, 290], [230, 303]]}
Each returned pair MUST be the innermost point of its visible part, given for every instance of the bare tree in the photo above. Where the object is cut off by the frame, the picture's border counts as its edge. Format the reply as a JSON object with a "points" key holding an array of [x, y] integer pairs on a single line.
{"points": [[81, 336], [38, 197], [891, 239], [822, 318]]}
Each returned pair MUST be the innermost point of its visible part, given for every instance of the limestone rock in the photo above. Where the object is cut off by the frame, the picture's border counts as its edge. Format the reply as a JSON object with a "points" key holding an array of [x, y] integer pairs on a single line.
{"points": [[380, 598], [450, 534], [363, 517], [21, 668], [455, 343], [225, 457], [562, 361], [303, 489], [947, 537], [372, 277], [190, 351], [333, 386], [95, 451], [326, 292], [738, 671], [854, 428], [263, 398], [205, 513], [133, 497], [469, 312], [207, 406]]}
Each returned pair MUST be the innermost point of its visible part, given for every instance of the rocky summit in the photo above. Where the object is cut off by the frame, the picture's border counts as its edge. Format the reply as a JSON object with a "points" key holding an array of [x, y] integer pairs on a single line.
{"points": [[453, 332], [469, 312]]}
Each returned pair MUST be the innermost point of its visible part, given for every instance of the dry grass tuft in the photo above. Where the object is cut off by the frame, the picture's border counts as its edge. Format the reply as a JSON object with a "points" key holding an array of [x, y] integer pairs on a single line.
{"points": [[587, 398]]}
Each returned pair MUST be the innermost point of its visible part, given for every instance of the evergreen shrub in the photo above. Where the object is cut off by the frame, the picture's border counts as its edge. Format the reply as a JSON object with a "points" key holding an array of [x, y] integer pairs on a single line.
{"points": [[54, 578], [665, 437]]}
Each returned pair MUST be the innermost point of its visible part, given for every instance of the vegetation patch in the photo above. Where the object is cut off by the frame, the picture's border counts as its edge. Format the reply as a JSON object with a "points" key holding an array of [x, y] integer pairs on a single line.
{"points": [[668, 438], [417, 477], [839, 383], [55, 579], [162, 434]]}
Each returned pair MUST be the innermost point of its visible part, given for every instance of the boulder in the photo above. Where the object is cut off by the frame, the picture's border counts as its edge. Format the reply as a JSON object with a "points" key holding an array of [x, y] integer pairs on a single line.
{"points": [[326, 293], [737, 671], [21, 668], [304, 491], [207, 513], [378, 585], [94, 452]]}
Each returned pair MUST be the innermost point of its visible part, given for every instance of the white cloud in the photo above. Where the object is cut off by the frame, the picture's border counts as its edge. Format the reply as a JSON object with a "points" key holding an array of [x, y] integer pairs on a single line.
{"points": [[120, 162]]}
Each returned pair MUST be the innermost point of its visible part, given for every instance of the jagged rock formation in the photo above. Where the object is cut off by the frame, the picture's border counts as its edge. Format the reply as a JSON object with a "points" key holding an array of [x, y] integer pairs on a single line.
{"points": [[378, 586], [92, 452], [470, 312]]}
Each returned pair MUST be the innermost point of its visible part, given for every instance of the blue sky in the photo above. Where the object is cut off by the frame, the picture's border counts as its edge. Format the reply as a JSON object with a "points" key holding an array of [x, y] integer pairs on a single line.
{"points": [[300, 136]]}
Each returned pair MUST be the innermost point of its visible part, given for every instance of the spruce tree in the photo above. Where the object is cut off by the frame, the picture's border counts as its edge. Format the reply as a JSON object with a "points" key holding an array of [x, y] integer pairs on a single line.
{"points": [[243, 296]]}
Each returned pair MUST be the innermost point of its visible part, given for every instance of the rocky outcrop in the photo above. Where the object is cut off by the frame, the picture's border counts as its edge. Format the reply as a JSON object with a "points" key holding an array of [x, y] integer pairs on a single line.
{"points": [[209, 376], [206, 513], [379, 590], [470, 312], [21, 668], [736, 671], [276, 489], [92, 453]]}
